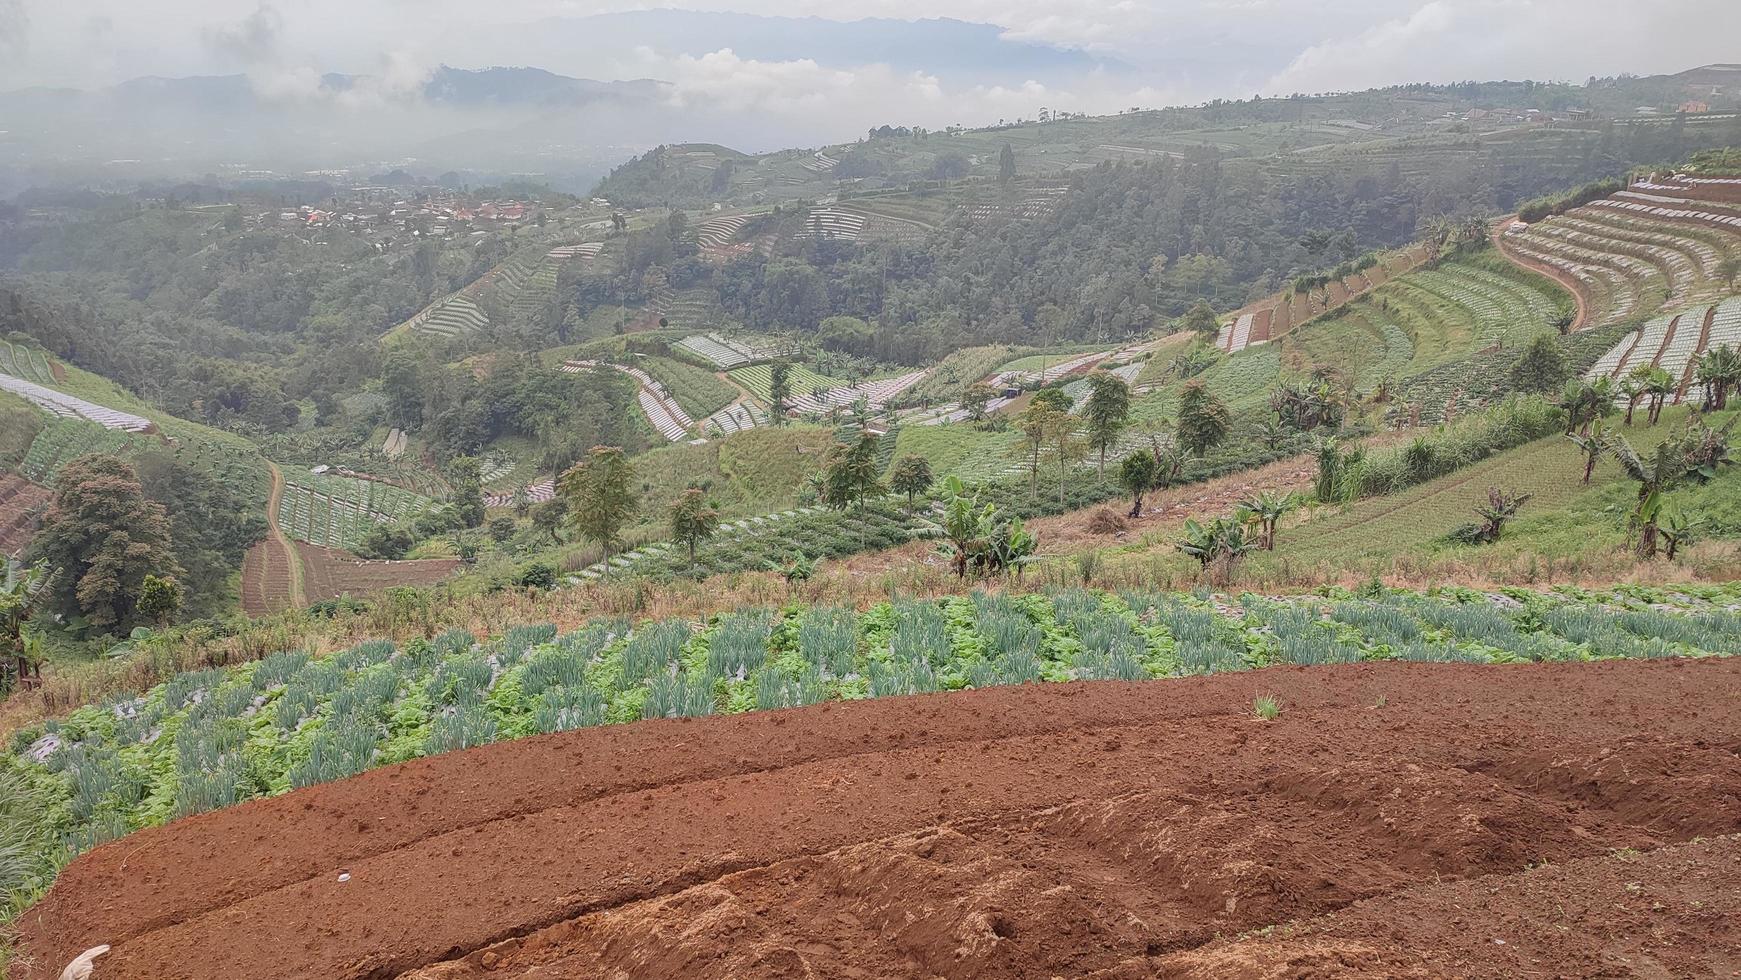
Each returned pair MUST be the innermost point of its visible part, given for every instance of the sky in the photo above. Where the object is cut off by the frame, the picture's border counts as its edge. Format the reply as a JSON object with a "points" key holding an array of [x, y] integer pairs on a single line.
{"points": [[1169, 52]]}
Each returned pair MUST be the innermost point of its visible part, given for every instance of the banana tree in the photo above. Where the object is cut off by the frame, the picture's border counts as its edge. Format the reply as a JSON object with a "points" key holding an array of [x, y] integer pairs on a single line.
{"points": [[1719, 371], [1677, 529], [1592, 445], [1655, 476], [1266, 509], [18, 646], [1217, 546], [1633, 387], [1658, 384], [1586, 402]]}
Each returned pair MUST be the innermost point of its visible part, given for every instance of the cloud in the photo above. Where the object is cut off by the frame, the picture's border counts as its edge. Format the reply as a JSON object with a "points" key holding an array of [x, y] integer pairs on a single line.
{"points": [[1453, 40], [833, 103], [14, 26], [253, 39]]}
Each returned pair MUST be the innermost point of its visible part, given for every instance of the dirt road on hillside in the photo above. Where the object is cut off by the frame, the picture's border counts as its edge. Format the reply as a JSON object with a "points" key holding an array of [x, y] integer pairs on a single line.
{"points": [[1393, 813], [271, 570]]}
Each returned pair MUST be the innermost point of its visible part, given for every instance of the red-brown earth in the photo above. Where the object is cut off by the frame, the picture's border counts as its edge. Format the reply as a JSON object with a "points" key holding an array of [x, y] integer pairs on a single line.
{"points": [[1396, 820]]}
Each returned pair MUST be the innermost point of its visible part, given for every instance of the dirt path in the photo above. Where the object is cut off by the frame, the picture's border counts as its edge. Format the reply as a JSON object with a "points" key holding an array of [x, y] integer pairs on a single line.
{"points": [[1049, 830], [1581, 320], [271, 558]]}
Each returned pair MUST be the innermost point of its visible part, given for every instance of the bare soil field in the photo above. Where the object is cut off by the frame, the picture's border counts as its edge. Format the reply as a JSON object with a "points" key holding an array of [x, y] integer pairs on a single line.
{"points": [[1395, 820], [329, 573]]}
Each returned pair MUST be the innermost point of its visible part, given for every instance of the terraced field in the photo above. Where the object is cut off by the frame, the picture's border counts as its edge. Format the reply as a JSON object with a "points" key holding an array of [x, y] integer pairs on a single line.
{"points": [[1000, 841], [699, 391], [1655, 248], [1287, 310], [336, 511], [758, 379], [62, 440], [21, 503], [451, 317], [1674, 342], [29, 363]]}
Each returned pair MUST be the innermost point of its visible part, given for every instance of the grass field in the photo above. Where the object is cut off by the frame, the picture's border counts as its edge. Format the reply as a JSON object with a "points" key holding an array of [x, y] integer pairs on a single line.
{"points": [[951, 448], [750, 472], [1562, 519]]}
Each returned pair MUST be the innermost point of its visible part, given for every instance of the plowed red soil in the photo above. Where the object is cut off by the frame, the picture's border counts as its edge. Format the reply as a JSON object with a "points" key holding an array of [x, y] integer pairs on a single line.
{"points": [[329, 573], [1396, 820]]}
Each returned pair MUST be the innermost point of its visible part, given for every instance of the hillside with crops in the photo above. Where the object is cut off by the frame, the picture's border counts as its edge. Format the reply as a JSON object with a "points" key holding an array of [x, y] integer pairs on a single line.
{"points": [[1286, 536]]}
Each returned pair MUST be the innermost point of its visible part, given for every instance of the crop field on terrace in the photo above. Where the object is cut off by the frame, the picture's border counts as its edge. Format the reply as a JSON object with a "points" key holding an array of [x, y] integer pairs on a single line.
{"points": [[801, 380], [213, 738], [336, 512]]}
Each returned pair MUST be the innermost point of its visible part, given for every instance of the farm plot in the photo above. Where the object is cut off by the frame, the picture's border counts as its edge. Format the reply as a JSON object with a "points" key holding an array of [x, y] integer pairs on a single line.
{"points": [[874, 393], [719, 230], [267, 579], [739, 417], [205, 741], [726, 353], [25, 362], [336, 511], [698, 391], [451, 317], [63, 440], [536, 492], [65, 406], [568, 253], [1674, 343], [832, 223], [1043, 369], [758, 380], [331, 574], [662, 410], [1275, 315], [21, 504]]}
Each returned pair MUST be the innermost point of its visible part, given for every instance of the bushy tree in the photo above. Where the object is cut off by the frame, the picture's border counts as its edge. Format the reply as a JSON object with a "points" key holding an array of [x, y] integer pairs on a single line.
{"points": [[159, 599], [600, 497], [1203, 419], [387, 542], [850, 473], [692, 520], [468, 490], [102, 537], [911, 477], [1137, 476], [211, 526], [779, 390], [1107, 414], [1201, 320], [1541, 369]]}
